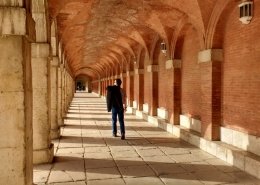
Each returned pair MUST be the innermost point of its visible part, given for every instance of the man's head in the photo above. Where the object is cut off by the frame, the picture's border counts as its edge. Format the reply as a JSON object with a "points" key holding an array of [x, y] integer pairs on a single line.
{"points": [[118, 82]]}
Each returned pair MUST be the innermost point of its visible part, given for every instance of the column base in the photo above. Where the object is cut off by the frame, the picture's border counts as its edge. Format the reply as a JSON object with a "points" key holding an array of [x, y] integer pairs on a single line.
{"points": [[43, 155], [55, 133]]}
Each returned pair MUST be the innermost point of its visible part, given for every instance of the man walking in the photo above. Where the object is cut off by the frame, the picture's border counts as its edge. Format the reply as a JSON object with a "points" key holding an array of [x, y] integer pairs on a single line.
{"points": [[116, 103]]}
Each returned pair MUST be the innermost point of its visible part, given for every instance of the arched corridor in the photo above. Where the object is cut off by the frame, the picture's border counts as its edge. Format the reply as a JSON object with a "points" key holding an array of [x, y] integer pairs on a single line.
{"points": [[190, 71], [87, 153]]}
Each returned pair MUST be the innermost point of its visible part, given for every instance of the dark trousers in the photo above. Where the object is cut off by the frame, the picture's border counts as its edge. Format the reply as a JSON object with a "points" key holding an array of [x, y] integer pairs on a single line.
{"points": [[120, 113]]}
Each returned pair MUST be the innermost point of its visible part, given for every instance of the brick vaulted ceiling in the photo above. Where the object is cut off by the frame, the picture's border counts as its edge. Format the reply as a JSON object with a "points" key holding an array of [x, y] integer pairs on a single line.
{"points": [[96, 33]]}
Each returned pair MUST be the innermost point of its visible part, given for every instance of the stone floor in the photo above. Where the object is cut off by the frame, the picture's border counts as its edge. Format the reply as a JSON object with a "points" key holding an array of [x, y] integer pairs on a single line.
{"points": [[87, 154]]}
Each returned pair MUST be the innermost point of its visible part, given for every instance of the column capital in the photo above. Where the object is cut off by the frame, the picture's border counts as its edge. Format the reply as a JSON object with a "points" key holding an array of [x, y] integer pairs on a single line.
{"points": [[152, 68], [139, 71], [210, 55], [55, 62], [40, 50], [15, 21], [175, 63]]}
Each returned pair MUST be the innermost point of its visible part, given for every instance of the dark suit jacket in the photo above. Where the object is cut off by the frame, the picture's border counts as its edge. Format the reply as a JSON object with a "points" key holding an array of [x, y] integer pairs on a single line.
{"points": [[114, 98]]}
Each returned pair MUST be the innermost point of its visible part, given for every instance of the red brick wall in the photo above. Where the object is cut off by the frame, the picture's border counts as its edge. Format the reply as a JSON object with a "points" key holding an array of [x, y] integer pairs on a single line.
{"points": [[147, 82], [165, 93], [95, 87], [241, 74], [190, 80]]}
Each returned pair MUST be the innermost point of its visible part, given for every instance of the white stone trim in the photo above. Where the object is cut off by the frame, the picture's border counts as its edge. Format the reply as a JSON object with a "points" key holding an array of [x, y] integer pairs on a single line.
{"points": [[145, 107], [162, 113], [210, 55], [152, 68], [170, 64], [139, 71], [135, 104], [239, 158], [241, 140], [190, 123]]}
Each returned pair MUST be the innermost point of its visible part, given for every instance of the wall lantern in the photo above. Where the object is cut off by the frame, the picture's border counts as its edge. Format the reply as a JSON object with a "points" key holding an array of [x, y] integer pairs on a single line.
{"points": [[163, 48], [246, 11]]}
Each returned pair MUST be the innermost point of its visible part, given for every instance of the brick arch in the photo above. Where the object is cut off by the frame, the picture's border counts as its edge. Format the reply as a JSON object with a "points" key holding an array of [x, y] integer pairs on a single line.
{"points": [[153, 48], [221, 11], [157, 53], [140, 58]]}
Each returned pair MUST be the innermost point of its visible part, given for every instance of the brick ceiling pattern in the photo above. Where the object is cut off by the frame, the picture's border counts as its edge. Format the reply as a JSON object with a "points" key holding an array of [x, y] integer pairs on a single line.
{"points": [[98, 33]]}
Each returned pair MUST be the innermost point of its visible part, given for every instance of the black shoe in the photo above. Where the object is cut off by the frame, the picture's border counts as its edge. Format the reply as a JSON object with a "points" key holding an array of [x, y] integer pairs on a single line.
{"points": [[114, 135], [123, 137]]}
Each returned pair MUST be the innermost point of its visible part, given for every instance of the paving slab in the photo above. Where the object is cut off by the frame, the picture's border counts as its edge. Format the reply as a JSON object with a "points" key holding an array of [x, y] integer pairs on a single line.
{"points": [[136, 171], [118, 181], [102, 173], [87, 154], [144, 181]]}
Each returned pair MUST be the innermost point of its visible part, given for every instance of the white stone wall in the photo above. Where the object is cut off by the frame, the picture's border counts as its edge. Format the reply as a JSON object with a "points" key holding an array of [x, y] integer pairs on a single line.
{"points": [[190, 123], [241, 140]]}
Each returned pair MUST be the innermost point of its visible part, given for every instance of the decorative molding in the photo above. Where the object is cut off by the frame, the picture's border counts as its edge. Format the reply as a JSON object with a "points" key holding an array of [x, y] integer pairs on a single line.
{"points": [[210, 55]]}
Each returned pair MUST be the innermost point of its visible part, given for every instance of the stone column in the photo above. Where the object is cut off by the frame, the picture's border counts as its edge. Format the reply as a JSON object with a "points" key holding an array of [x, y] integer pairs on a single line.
{"points": [[42, 147], [153, 82], [15, 94], [55, 130], [175, 66], [63, 91], [210, 66], [59, 99], [130, 88], [139, 88]]}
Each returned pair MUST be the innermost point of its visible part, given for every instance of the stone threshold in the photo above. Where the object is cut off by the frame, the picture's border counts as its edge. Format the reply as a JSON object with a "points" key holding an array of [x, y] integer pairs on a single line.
{"points": [[245, 161]]}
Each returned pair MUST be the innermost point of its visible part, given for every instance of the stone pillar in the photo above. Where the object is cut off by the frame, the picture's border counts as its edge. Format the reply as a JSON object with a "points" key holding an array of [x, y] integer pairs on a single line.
{"points": [[99, 87], [59, 98], [210, 66], [130, 88], [15, 94], [42, 147], [139, 88], [55, 130], [153, 82], [63, 92], [175, 67]]}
